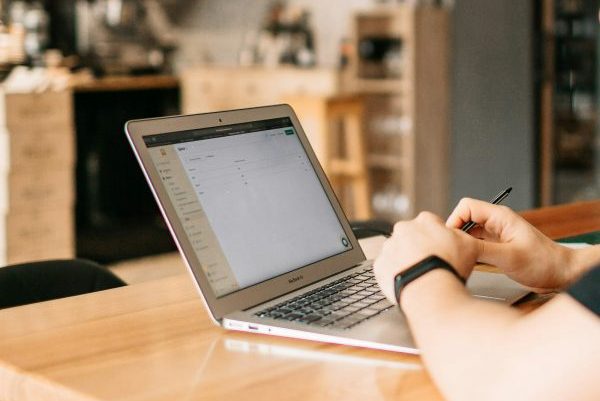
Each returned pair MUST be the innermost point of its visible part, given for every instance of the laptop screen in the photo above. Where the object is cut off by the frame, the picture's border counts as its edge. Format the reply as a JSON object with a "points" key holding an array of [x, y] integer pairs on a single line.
{"points": [[249, 201]]}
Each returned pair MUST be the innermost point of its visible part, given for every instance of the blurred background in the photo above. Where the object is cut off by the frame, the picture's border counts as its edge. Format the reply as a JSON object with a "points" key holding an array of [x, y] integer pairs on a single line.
{"points": [[410, 105]]}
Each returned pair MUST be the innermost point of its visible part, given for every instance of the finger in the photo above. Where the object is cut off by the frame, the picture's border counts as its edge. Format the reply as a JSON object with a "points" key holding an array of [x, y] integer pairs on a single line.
{"points": [[492, 218], [481, 233], [541, 290], [477, 232], [495, 254], [462, 212]]}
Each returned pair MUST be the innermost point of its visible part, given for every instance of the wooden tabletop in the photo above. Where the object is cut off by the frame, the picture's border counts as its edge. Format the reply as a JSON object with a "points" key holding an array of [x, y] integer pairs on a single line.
{"points": [[566, 220], [154, 341], [127, 83]]}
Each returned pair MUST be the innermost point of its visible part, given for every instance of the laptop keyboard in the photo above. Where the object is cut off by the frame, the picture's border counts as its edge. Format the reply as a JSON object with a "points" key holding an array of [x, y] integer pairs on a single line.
{"points": [[341, 304]]}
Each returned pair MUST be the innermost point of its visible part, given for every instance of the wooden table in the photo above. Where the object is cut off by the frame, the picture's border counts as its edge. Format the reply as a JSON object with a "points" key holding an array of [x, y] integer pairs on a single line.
{"points": [[154, 341]]}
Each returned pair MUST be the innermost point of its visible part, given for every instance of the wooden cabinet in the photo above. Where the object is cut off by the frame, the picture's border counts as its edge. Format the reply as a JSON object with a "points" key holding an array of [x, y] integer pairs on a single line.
{"points": [[400, 66], [206, 89]]}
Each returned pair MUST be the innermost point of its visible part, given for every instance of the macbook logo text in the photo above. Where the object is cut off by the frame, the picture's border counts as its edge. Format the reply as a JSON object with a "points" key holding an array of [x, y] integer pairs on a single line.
{"points": [[294, 279]]}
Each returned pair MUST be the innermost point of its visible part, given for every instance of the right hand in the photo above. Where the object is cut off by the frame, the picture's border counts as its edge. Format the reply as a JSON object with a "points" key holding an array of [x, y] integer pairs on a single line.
{"points": [[414, 240], [515, 246]]}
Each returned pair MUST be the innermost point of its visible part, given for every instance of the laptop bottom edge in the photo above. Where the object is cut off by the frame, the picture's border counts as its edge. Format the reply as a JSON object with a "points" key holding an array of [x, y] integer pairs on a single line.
{"points": [[365, 336]]}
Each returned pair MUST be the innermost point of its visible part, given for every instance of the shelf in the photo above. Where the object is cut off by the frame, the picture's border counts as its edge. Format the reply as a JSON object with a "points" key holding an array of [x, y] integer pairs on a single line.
{"points": [[417, 89], [343, 167], [381, 85], [389, 162], [127, 83]]}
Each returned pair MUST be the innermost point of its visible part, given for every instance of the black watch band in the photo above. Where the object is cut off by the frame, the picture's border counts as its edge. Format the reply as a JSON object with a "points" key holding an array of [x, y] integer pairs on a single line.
{"points": [[417, 270]]}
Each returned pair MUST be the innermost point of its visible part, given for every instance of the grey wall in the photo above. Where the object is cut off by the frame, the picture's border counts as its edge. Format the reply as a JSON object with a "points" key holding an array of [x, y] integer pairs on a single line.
{"points": [[492, 106]]}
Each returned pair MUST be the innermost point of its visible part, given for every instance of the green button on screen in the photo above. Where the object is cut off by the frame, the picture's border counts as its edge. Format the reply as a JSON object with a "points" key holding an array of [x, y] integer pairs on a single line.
{"points": [[289, 132]]}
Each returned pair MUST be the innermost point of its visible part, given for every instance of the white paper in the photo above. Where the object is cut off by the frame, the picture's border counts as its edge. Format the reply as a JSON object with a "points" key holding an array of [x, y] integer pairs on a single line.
{"points": [[575, 245]]}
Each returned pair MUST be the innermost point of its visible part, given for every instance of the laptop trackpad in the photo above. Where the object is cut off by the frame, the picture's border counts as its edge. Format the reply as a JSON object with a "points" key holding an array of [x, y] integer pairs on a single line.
{"points": [[495, 287]]}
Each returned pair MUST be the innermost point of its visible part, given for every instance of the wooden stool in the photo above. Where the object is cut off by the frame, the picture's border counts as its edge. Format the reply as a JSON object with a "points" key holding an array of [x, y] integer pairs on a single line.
{"points": [[334, 127]]}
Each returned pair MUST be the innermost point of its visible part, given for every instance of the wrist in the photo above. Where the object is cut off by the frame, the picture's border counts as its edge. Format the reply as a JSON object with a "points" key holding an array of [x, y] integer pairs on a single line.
{"points": [[567, 265], [577, 262], [429, 288], [416, 271]]}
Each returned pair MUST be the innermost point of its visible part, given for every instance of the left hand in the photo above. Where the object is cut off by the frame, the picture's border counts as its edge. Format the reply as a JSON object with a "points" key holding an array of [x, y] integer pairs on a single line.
{"points": [[414, 240]]}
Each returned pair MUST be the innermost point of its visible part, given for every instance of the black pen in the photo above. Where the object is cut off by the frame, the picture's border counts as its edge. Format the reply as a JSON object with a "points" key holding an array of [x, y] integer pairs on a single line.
{"points": [[497, 199]]}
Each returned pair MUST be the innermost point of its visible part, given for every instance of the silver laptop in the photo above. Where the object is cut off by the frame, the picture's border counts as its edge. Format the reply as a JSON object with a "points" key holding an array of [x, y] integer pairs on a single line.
{"points": [[263, 234]]}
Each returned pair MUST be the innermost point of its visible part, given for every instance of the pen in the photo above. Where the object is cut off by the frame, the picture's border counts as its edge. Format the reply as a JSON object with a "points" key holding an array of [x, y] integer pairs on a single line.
{"points": [[497, 199]]}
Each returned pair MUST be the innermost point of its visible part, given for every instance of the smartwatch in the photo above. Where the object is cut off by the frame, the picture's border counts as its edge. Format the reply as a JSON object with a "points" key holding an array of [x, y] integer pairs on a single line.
{"points": [[417, 270]]}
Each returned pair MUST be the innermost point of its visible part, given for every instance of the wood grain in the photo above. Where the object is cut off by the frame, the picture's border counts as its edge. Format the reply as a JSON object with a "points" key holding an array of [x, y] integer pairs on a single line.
{"points": [[566, 220], [154, 341]]}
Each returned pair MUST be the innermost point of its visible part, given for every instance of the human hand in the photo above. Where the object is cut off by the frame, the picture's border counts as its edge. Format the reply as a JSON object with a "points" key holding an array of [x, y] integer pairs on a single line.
{"points": [[414, 240], [515, 246]]}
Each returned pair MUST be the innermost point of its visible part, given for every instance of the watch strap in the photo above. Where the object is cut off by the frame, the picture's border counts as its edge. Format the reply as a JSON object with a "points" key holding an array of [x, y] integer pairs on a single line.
{"points": [[428, 264]]}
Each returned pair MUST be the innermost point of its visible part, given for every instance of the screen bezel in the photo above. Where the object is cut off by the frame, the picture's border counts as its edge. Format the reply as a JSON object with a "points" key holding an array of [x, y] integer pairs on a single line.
{"points": [[266, 290]]}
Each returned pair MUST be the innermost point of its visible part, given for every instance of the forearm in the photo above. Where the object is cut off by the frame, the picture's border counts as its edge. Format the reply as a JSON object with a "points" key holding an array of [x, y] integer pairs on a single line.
{"points": [[460, 338], [477, 350]]}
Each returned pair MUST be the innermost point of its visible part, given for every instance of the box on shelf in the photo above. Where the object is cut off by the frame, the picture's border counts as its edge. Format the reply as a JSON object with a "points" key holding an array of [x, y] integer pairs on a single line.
{"points": [[42, 189], [45, 109], [28, 237], [48, 251], [39, 230], [37, 147]]}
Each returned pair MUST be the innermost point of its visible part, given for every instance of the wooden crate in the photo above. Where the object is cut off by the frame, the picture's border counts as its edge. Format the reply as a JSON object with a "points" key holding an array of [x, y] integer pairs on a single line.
{"points": [[37, 146], [37, 234], [48, 188], [44, 109]]}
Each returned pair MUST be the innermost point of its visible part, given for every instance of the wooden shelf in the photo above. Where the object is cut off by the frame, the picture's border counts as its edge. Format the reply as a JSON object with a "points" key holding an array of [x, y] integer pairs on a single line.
{"points": [[390, 162], [419, 91], [381, 85], [123, 83], [343, 167]]}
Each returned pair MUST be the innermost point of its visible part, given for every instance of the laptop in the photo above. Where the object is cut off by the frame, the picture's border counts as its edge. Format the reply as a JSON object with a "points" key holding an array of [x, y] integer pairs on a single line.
{"points": [[262, 233]]}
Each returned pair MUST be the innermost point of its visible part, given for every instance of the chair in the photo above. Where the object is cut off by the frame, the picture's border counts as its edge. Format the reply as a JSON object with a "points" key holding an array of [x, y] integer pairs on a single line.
{"points": [[370, 228], [43, 281]]}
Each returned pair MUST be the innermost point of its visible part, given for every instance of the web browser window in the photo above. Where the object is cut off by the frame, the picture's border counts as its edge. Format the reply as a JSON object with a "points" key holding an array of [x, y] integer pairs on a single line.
{"points": [[249, 201]]}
